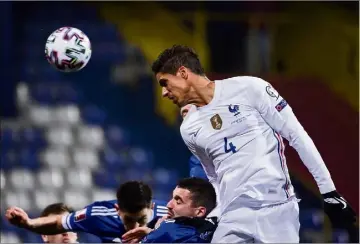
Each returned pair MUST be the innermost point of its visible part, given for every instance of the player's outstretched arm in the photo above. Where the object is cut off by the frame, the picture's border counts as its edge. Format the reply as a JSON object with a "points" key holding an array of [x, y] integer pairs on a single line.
{"points": [[279, 115], [49, 225]]}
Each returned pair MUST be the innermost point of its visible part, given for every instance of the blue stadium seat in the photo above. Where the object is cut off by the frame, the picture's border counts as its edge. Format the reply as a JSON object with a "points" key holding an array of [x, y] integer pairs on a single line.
{"points": [[312, 219], [93, 115], [33, 137], [88, 238], [164, 179], [140, 158], [340, 236], [106, 179], [29, 237], [114, 160], [29, 159], [9, 159], [9, 137], [117, 137]]}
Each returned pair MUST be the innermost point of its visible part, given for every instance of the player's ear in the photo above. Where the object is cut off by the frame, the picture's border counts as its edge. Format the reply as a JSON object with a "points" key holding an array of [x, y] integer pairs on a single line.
{"points": [[116, 207], [45, 238], [182, 71], [200, 212]]}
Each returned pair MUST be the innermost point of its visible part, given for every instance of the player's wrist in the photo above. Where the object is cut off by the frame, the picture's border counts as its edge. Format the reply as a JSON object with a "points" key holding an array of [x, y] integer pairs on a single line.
{"points": [[331, 194], [29, 224]]}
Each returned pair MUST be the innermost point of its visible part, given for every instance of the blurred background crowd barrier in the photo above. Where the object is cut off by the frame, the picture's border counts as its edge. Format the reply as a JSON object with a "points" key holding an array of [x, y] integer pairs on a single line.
{"points": [[75, 137]]}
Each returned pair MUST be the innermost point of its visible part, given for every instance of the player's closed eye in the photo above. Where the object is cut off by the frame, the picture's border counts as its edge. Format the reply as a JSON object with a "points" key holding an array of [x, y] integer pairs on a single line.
{"points": [[163, 82]]}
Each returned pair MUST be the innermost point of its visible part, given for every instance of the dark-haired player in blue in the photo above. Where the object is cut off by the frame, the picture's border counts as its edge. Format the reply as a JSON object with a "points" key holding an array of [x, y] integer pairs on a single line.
{"points": [[108, 220], [188, 220]]}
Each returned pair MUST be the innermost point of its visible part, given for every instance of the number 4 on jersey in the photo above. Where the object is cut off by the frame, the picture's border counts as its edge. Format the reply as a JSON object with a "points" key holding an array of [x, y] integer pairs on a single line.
{"points": [[229, 147]]}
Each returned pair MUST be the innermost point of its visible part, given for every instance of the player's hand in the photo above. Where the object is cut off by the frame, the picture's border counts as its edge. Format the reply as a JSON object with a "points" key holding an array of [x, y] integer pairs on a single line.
{"points": [[135, 235], [338, 210], [18, 217]]}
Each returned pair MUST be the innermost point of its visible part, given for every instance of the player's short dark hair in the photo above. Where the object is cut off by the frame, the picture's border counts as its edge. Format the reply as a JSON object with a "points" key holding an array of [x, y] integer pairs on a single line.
{"points": [[133, 196], [56, 208], [171, 59], [202, 192]]}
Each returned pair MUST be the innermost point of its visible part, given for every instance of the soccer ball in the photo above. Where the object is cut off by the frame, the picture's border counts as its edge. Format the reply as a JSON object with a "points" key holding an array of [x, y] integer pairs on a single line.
{"points": [[68, 49]]}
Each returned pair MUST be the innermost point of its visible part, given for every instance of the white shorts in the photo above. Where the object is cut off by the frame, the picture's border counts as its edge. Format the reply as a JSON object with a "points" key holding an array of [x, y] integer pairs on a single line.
{"points": [[272, 224]]}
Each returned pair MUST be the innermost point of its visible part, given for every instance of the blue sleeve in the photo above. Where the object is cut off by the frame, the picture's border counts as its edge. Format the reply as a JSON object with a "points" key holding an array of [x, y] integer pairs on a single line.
{"points": [[96, 219], [196, 169]]}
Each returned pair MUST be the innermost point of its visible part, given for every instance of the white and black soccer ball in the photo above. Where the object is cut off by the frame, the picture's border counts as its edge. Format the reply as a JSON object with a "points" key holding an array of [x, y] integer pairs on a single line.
{"points": [[68, 49]]}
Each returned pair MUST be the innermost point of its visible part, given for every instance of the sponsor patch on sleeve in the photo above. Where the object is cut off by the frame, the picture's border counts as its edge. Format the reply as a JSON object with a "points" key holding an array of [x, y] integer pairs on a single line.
{"points": [[281, 105], [80, 215]]}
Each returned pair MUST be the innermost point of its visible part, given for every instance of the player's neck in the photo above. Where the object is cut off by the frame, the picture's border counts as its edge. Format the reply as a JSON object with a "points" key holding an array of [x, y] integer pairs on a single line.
{"points": [[204, 90]]}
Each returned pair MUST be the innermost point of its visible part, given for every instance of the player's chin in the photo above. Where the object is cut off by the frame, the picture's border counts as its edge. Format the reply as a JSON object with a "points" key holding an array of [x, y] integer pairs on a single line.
{"points": [[66, 240]]}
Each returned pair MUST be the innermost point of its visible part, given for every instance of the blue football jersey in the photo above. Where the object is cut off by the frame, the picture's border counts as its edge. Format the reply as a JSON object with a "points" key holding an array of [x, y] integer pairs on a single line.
{"points": [[102, 220], [183, 230]]}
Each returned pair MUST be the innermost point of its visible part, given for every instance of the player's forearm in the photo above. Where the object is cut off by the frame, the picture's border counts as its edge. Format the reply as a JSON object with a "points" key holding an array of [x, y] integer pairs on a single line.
{"points": [[312, 159], [49, 225]]}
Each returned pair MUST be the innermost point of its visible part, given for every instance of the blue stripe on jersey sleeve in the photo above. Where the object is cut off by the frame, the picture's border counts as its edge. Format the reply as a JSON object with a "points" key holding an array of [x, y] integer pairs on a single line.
{"points": [[159, 208]]}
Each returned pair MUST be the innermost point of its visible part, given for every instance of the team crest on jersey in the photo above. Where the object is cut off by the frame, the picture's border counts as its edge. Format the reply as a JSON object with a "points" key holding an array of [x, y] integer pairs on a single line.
{"points": [[272, 92], [216, 122], [80, 215]]}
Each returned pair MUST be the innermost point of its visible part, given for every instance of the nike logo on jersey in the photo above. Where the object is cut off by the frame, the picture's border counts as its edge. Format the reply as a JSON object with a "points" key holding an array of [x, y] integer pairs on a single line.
{"points": [[336, 200], [195, 133]]}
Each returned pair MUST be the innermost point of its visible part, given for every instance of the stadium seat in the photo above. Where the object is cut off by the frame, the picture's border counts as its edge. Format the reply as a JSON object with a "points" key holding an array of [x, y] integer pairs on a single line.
{"points": [[93, 115], [114, 160], [79, 178], [56, 157], [5, 225], [107, 179], [28, 159], [86, 158], [29, 237], [21, 179], [9, 137], [2, 180], [117, 137], [103, 194], [77, 198], [40, 115], [9, 159], [140, 158], [9, 237], [67, 115], [32, 137], [312, 219], [50, 178], [88, 238], [60, 136], [43, 198], [18, 198], [43, 94], [90, 136], [340, 236]]}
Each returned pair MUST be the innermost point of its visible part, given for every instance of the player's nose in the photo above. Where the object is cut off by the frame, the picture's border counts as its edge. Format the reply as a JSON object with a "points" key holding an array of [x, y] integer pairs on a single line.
{"points": [[169, 205], [165, 92]]}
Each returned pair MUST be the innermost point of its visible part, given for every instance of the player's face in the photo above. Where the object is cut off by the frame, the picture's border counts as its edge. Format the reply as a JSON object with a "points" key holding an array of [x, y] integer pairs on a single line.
{"points": [[181, 204], [175, 87], [133, 220], [67, 237]]}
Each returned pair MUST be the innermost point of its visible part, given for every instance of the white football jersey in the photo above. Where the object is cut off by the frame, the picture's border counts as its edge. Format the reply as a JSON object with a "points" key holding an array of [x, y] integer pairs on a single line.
{"points": [[238, 139]]}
